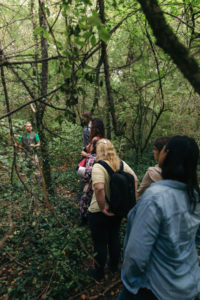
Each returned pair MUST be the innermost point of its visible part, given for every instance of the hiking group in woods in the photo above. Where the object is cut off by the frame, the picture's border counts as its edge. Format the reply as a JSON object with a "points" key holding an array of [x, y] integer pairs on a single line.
{"points": [[163, 213], [160, 247], [83, 180]]}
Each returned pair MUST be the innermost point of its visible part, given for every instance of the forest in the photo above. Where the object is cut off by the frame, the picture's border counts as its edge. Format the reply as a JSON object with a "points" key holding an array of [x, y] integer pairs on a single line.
{"points": [[135, 64]]}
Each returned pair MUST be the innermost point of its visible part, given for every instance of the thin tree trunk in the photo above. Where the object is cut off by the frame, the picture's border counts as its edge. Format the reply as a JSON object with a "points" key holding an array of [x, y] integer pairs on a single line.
{"points": [[96, 93], [35, 66], [41, 107], [108, 127], [107, 72], [14, 164]]}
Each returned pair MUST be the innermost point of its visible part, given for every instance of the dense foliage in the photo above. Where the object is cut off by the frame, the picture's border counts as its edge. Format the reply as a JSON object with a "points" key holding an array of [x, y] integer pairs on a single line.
{"points": [[57, 60]]}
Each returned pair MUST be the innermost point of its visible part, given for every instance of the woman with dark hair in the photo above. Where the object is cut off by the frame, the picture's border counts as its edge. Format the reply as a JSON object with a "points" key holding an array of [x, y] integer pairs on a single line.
{"points": [[97, 132], [153, 174], [160, 256]]}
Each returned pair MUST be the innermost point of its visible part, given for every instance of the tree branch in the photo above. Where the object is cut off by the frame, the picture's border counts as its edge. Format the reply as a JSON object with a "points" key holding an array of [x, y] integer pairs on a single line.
{"points": [[41, 60], [168, 41], [31, 101]]}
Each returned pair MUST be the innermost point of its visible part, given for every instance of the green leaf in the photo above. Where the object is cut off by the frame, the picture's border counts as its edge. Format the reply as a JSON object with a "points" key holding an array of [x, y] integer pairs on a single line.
{"points": [[94, 19], [59, 119], [93, 40], [79, 42], [87, 34], [47, 11], [87, 2], [45, 34], [38, 30], [104, 34]]}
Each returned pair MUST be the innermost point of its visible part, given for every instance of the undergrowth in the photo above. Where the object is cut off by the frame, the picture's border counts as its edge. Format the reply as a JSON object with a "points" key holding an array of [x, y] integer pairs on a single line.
{"points": [[46, 254]]}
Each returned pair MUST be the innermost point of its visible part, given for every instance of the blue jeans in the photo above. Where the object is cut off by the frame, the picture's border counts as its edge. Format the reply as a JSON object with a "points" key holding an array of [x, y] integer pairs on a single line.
{"points": [[142, 294]]}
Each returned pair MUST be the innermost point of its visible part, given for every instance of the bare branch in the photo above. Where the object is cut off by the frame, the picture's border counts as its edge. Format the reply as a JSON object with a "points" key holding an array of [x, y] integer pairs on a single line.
{"points": [[41, 60], [31, 101]]}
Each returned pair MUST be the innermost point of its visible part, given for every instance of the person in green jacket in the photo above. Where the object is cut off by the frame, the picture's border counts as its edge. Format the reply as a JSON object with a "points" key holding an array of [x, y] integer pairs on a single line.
{"points": [[29, 140], [28, 143]]}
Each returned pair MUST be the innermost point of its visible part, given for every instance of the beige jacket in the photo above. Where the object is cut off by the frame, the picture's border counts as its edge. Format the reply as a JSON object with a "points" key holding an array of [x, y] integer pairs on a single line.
{"points": [[153, 174]]}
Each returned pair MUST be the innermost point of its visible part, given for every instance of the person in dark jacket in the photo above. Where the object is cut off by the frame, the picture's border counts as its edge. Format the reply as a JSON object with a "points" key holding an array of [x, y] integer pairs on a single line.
{"points": [[86, 131]]}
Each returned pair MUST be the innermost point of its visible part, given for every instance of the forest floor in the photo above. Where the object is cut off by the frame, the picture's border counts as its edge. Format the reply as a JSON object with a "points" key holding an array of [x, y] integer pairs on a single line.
{"points": [[106, 289], [26, 267], [12, 268]]}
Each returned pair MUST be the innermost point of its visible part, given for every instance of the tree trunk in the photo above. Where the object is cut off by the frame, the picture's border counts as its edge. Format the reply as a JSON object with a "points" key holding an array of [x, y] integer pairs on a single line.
{"points": [[41, 107], [107, 73], [168, 41]]}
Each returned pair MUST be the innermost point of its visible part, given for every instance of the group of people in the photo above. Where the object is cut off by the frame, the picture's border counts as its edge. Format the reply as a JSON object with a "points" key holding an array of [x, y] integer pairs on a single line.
{"points": [[163, 228], [160, 246]]}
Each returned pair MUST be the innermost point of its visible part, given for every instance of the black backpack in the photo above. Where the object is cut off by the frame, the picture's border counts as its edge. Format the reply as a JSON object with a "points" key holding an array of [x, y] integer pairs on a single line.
{"points": [[122, 190]]}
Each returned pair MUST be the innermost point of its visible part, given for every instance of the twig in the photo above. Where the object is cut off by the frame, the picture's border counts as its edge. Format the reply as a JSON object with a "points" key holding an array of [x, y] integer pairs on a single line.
{"points": [[18, 262], [105, 291], [46, 288], [101, 294], [81, 292]]}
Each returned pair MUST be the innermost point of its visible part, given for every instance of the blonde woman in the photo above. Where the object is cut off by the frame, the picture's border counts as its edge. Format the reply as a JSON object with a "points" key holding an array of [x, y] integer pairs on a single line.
{"points": [[104, 224]]}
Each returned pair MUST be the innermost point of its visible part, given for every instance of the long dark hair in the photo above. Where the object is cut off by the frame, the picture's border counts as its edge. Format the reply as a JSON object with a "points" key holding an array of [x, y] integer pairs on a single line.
{"points": [[97, 129], [94, 147], [181, 164]]}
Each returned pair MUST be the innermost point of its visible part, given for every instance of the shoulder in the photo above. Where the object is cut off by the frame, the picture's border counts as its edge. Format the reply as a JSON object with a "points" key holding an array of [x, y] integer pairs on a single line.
{"points": [[37, 136], [153, 199], [164, 197], [99, 174], [157, 188], [95, 138], [127, 168], [160, 192], [86, 130], [155, 173], [98, 168]]}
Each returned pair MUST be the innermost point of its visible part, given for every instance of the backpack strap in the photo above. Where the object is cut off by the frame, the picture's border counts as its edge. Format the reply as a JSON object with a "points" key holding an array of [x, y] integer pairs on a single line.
{"points": [[108, 168]]}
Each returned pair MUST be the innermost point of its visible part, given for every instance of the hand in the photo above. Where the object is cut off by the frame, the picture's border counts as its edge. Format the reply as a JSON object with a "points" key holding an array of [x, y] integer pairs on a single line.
{"points": [[83, 153], [32, 145], [107, 213]]}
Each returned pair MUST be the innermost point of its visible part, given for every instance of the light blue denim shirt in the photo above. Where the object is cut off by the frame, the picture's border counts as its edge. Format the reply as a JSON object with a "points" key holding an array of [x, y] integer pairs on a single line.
{"points": [[159, 250]]}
